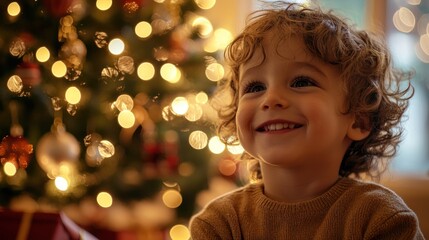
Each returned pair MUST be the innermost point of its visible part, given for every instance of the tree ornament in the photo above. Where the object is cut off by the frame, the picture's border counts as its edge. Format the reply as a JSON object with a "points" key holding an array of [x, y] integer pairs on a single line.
{"points": [[30, 73], [56, 147], [131, 6], [16, 150], [57, 8]]}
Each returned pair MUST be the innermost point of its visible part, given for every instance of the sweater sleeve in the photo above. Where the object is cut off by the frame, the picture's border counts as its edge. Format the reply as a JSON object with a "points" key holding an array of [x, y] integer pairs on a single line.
{"points": [[401, 225]]}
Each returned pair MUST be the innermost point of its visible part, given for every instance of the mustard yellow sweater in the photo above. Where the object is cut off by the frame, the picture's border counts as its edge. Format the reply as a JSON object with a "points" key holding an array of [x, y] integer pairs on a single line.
{"points": [[350, 209]]}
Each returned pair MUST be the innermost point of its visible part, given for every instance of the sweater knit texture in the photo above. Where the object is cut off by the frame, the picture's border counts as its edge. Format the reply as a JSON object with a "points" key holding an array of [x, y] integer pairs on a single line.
{"points": [[351, 209]]}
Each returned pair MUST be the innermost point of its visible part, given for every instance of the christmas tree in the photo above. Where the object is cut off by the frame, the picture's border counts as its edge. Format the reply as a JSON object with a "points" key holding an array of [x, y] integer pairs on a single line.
{"points": [[107, 101]]}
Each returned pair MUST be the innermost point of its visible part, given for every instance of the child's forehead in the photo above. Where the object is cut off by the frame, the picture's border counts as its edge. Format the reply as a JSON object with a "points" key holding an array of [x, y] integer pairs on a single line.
{"points": [[291, 48]]}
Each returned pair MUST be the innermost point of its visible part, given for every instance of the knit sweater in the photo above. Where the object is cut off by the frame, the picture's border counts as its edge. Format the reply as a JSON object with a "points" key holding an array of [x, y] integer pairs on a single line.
{"points": [[350, 209]]}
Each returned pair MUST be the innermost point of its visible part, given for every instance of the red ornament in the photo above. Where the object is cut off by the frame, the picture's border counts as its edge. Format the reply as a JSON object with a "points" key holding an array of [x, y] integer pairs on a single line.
{"points": [[57, 8], [29, 73], [16, 150]]}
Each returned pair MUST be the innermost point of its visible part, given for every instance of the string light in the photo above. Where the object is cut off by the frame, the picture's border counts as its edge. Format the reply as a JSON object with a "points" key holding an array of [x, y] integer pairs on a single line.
{"points": [[59, 69], [103, 5], [143, 29], [104, 199], [43, 54], [13, 9], [145, 71], [180, 232], [116, 46], [73, 95]]}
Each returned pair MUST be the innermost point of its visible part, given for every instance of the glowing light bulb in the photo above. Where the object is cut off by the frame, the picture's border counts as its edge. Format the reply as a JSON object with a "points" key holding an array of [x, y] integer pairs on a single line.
{"points": [[172, 198], [180, 105], [9, 169], [143, 29], [126, 119], [43, 54], [13, 9], [103, 5], [73, 95], [61, 183], [180, 232], [146, 71], [104, 199], [59, 69], [116, 46]]}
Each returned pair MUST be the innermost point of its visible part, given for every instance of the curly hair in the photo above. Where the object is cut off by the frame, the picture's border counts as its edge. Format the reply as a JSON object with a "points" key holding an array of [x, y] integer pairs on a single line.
{"points": [[376, 92]]}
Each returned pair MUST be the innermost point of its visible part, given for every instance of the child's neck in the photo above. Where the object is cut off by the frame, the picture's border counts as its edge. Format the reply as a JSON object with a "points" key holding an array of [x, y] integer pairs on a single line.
{"points": [[290, 186]]}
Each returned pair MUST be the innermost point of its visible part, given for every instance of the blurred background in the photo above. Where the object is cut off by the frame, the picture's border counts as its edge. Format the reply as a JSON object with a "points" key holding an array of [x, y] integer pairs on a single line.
{"points": [[105, 114]]}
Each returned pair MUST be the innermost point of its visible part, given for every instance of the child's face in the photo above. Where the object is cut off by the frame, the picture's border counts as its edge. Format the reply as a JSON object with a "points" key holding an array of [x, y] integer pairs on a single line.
{"points": [[290, 108]]}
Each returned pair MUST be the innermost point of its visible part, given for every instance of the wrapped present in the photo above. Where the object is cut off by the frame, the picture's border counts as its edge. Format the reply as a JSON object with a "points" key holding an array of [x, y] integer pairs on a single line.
{"points": [[38, 225]]}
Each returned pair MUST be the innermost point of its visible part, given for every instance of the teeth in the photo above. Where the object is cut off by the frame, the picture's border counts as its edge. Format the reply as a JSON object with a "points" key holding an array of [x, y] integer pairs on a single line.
{"points": [[279, 126]]}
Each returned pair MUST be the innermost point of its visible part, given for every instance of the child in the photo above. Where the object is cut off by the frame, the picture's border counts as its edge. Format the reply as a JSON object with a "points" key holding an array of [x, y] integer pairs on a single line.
{"points": [[317, 104]]}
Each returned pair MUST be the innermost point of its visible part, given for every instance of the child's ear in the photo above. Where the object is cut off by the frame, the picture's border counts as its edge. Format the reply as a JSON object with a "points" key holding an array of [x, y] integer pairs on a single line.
{"points": [[359, 129]]}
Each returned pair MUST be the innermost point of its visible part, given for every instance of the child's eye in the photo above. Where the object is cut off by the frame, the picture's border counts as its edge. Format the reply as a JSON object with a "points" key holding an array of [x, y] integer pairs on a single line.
{"points": [[302, 81], [254, 87]]}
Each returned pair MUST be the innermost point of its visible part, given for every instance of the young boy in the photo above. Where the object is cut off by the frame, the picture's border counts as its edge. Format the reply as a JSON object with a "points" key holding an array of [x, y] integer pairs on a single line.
{"points": [[315, 104]]}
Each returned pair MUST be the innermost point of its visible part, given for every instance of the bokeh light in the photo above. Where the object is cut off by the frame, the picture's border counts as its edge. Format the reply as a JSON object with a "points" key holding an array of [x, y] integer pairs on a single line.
{"points": [[116, 46], [43, 54], [172, 198], [14, 84], [9, 169], [198, 139], [146, 71], [126, 119], [59, 69], [170, 73], [180, 232], [104, 199], [103, 5], [73, 95], [215, 72], [180, 106], [13, 9], [61, 183], [143, 29], [216, 146], [404, 20]]}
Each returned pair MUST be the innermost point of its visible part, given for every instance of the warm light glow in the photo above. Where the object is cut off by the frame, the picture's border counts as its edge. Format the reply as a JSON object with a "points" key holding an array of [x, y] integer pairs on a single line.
{"points": [[172, 198], [205, 4], [424, 43], [73, 95], [13, 9], [124, 102], [61, 183], [227, 167], [116, 46], [59, 69], [104, 199], [14, 84], [198, 139], [194, 113], [126, 119], [414, 2], [146, 71], [143, 29], [215, 72], [180, 232], [170, 73], [235, 149], [202, 98], [9, 169], [203, 25], [180, 105], [223, 37], [103, 5], [216, 146], [43, 54], [404, 20], [106, 149]]}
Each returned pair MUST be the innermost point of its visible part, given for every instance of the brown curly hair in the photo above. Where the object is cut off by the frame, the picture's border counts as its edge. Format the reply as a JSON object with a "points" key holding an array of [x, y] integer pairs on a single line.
{"points": [[377, 94]]}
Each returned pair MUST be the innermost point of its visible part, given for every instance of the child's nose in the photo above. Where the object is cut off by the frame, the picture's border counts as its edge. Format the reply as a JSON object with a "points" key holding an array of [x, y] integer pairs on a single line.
{"points": [[275, 98]]}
